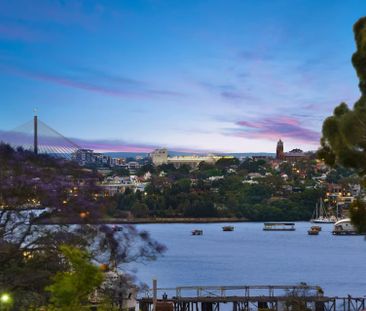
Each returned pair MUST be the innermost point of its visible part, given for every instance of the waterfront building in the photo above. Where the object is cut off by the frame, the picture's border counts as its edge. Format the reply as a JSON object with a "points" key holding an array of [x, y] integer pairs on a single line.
{"points": [[341, 197], [119, 184]]}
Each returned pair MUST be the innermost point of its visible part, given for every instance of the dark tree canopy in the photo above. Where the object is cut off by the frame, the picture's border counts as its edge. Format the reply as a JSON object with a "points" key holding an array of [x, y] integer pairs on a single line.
{"points": [[344, 133]]}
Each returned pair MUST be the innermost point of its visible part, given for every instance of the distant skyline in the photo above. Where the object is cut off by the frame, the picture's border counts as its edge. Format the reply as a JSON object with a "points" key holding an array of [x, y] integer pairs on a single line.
{"points": [[218, 75]]}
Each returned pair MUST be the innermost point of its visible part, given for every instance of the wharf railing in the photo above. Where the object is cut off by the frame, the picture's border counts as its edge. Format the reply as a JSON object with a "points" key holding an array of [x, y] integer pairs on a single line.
{"points": [[248, 298], [242, 290]]}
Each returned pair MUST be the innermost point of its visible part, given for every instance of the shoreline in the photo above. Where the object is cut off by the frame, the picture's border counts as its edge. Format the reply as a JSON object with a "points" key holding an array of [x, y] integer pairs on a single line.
{"points": [[184, 220], [137, 221]]}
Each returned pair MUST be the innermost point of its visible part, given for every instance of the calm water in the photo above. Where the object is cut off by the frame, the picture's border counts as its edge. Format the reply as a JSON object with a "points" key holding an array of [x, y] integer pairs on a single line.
{"points": [[251, 256]]}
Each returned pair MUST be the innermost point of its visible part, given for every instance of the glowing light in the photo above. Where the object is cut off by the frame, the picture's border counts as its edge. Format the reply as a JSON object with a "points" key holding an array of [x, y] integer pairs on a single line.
{"points": [[27, 255], [104, 267], [5, 298]]}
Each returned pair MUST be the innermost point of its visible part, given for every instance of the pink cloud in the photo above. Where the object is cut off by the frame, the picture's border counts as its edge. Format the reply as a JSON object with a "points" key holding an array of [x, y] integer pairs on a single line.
{"points": [[274, 128]]}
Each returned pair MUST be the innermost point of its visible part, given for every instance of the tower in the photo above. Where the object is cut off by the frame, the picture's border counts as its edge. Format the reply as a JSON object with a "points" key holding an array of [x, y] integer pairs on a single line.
{"points": [[279, 150], [35, 132]]}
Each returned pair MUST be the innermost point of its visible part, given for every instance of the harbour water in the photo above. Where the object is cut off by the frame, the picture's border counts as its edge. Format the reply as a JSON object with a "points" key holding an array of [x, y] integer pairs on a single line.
{"points": [[250, 256]]}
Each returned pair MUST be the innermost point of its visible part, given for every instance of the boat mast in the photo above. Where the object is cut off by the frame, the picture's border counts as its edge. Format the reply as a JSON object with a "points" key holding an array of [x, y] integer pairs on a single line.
{"points": [[317, 211]]}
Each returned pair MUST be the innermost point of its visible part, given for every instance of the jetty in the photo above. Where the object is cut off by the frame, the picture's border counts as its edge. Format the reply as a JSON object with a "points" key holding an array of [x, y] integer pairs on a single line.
{"points": [[247, 298]]}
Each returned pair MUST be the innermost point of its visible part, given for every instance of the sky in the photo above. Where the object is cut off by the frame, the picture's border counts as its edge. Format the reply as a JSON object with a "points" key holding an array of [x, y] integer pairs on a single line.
{"points": [[192, 75]]}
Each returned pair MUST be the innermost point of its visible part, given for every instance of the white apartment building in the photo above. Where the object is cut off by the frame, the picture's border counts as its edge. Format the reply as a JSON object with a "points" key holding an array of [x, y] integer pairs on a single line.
{"points": [[159, 156]]}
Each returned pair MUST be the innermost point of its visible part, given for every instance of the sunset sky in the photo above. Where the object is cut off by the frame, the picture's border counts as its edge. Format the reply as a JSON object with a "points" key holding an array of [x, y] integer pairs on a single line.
{"points": [[218, 75]]}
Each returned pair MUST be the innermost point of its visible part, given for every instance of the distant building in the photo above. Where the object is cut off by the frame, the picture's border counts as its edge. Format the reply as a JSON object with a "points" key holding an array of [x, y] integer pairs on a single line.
{"points": [[117, 184], [133, 167], [100, 159], [159, 156], [279, 150], [83, 156], [118, 162], [192, 160], [292, 156]]}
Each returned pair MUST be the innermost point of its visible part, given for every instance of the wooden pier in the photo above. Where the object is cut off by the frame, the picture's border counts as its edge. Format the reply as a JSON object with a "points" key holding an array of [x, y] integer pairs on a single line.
{"points": [[247, 298]]}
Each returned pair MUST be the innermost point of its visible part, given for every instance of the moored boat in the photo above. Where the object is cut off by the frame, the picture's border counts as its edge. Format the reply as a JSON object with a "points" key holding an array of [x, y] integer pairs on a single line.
{"points": [[314, 230], [279, 226], [344, 227], [197, 232], [228, 228], [320, 215]]}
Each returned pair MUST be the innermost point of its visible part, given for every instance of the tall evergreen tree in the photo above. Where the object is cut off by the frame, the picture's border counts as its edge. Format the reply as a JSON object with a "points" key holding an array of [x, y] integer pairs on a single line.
{"points": [[344, 133]]}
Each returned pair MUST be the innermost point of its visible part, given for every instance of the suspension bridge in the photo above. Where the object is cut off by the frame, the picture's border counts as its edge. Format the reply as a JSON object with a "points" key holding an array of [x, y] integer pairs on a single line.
{"points": [[37, 136]]}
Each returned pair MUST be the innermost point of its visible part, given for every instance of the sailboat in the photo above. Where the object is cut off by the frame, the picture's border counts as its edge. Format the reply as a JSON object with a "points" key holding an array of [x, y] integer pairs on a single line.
{"points": [[321, 216]]}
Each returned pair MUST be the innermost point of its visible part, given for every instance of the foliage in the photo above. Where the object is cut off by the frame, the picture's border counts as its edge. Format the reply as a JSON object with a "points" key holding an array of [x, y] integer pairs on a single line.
{"points": [[35, 190], [70, 289], [343, 140], [344, 133], [214, 191], [146, 168], [358, 215], [120, 171], [227, 162]]}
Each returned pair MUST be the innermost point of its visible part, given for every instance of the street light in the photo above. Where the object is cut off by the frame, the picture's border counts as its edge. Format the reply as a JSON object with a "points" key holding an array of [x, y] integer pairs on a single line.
{"points": [[5, 298], [5, 301]]}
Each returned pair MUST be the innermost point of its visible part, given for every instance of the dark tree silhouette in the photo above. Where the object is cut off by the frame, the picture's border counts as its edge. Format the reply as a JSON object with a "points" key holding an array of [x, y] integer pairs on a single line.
{"points": [[35, 189], [344, 133]]}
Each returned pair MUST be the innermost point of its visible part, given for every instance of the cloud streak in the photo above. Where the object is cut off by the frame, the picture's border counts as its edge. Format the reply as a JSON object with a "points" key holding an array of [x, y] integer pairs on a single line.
{"points": [[271, 128], [228, 92], [56, 143], [126, 88], [113, 145]]}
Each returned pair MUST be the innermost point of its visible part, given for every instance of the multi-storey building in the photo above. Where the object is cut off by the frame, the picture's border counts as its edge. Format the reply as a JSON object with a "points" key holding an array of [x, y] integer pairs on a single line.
{"points": [[83, 156], [159, 156]]}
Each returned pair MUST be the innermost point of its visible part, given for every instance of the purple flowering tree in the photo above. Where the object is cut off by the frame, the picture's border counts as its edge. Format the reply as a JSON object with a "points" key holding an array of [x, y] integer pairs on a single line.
{"points": [[46, 202]]}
